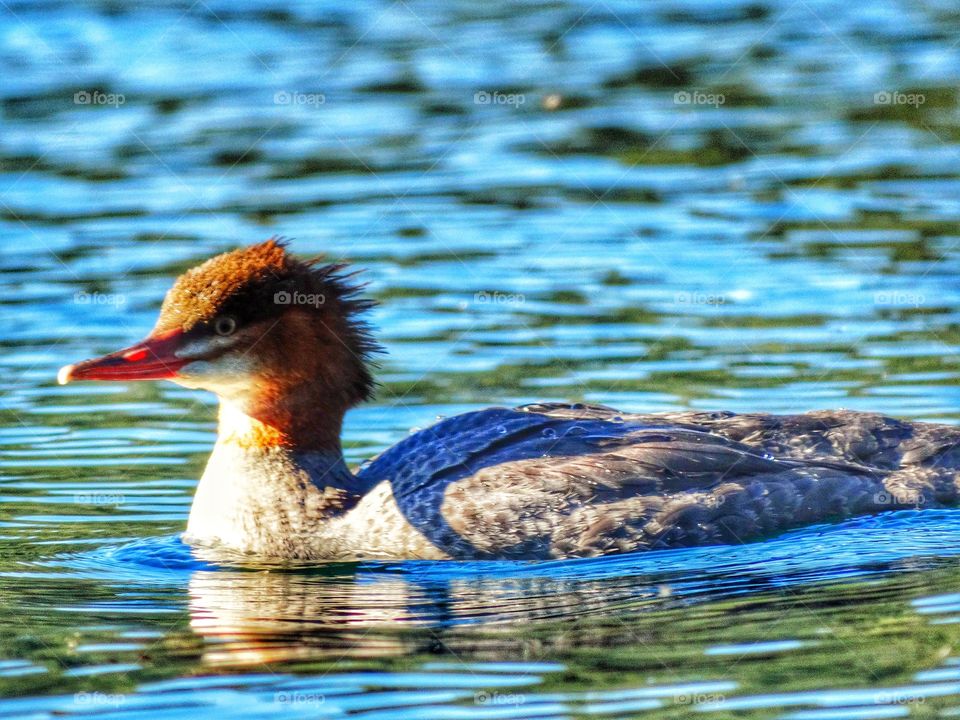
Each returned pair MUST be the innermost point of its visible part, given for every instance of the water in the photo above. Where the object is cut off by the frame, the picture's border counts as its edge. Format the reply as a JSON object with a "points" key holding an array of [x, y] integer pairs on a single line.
{"points": [[712, 205]]}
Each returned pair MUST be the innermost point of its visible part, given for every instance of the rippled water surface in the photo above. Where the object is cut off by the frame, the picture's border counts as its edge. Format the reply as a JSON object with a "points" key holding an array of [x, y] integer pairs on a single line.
{"points": [[717, 205]]}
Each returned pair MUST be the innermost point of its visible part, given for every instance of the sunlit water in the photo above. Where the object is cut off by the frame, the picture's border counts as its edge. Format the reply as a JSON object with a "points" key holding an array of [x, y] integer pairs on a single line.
{"points": [[713, 205]]}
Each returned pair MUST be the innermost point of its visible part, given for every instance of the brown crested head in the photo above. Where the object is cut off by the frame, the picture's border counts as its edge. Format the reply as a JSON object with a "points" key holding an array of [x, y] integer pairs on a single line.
{"points": [[236, 281], [285, 314], [282, 338]]}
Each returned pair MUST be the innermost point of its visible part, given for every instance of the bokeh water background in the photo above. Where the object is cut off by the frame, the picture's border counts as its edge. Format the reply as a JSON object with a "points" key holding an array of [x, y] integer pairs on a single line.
{"points": [[659, 205]]}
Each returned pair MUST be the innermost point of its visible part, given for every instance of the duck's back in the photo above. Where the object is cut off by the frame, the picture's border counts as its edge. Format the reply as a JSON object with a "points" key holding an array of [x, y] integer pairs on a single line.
{"points": [[557, 480]]}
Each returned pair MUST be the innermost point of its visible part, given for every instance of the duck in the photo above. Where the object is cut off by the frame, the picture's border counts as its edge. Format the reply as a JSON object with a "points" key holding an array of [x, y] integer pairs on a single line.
{"points": [[286, 345]]}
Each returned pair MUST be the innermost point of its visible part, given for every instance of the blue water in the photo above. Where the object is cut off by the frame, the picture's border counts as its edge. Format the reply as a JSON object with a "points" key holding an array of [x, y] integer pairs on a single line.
{"points": [[712, 205]]}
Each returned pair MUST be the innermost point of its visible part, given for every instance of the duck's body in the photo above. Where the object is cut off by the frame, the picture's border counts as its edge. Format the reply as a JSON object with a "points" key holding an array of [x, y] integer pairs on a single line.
{"points": [[536, 482], [554, 481]]}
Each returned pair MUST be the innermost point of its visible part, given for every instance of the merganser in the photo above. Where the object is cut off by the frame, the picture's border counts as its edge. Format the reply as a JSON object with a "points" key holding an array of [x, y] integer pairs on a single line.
{"points": [[283, 344]]}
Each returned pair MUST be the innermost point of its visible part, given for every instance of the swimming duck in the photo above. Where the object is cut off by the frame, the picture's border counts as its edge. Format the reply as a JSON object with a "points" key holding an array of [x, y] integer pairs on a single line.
{"points": [[284, 345]]}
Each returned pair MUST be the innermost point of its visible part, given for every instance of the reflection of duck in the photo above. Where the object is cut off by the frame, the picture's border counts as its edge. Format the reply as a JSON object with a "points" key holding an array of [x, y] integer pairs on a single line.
{"points": [[250, 618], [263, 617], [282, 344]]}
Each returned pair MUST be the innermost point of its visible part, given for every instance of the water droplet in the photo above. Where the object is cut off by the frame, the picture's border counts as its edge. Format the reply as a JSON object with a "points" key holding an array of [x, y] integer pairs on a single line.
{"points": [[576, 430], [502, 429], [364, 465], [549, 433], [617, 419]]}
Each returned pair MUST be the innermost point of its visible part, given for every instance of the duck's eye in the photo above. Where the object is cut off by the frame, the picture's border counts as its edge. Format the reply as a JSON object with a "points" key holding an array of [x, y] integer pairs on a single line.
{"points": [[224, 325]]}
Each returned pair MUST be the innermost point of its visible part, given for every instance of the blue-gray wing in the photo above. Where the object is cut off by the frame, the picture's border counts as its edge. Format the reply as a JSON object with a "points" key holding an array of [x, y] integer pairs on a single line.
{"points": [[575, 480]]}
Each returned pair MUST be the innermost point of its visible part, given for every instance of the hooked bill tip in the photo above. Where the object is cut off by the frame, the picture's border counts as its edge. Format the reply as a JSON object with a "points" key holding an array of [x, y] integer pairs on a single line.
{"points": [[63, 375]]}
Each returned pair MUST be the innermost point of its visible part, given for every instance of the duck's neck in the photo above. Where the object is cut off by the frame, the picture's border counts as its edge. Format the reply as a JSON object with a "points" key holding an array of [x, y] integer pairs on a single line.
{"points": [[269, 485], [277, 417]]}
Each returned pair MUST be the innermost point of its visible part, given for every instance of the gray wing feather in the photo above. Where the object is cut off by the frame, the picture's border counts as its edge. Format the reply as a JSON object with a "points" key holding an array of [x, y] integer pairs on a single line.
{"points": [[556, 480]]}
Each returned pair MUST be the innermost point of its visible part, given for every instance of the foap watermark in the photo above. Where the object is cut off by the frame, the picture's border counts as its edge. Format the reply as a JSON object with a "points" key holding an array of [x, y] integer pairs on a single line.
{"points": [[96, 97], [897, 696], [698, 97], [283, 97], [899, 297], [698, 698], [300, 699], [99, 499], [498, 298], [82, 297], [900, 496], [299, 298], [699, 298], [887, 97], [483, 97], [99, 699], [484, 697]]}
